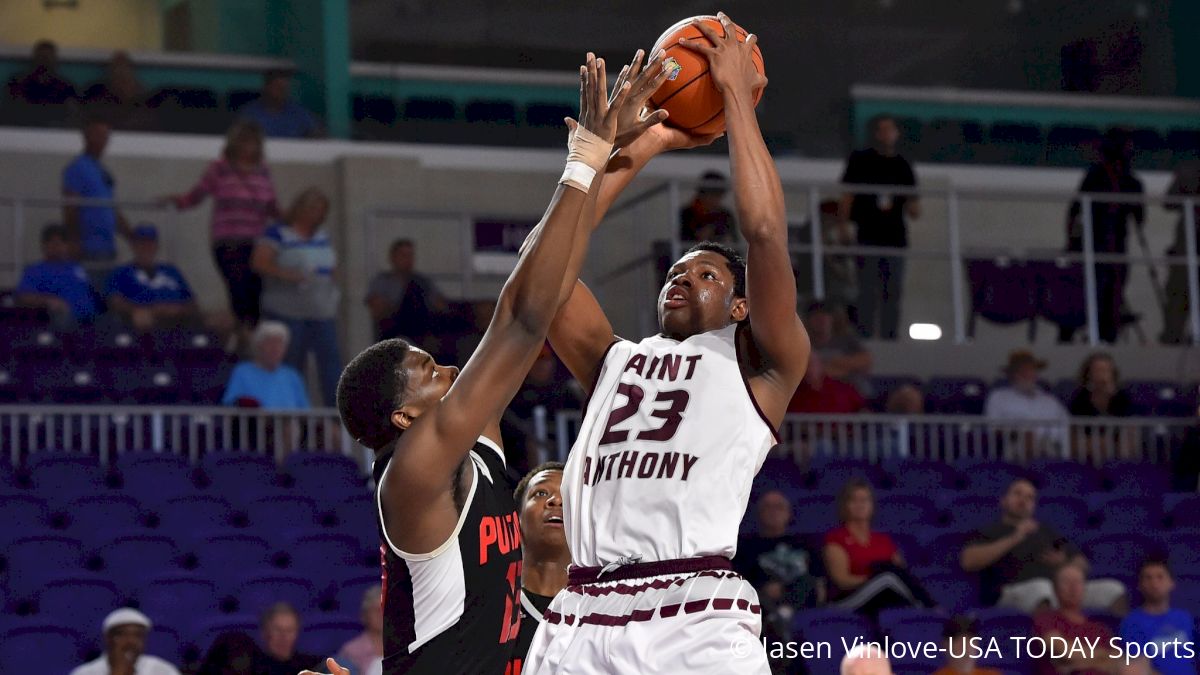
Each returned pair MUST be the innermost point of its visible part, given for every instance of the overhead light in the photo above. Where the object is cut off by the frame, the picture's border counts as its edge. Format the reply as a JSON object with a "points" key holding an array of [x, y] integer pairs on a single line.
{"points": [[925, 331]]}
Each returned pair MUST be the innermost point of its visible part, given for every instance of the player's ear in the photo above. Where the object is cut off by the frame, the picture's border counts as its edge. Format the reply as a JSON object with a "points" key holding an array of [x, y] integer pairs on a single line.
{"points": [[403, 418], [740, 310]]}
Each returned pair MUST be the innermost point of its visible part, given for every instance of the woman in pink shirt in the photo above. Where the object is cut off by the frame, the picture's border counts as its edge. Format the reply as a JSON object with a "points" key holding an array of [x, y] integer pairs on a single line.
{"points": [[368, 646], [243, 203]]}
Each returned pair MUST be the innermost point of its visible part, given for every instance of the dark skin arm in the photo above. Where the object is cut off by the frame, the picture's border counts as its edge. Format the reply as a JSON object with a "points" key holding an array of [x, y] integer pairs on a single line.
{"points": [[417, 485], [779, 353]]}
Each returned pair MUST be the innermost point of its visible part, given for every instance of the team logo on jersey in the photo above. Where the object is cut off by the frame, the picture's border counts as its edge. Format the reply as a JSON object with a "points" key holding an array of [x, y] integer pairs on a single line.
{"points": [[672, 67]]}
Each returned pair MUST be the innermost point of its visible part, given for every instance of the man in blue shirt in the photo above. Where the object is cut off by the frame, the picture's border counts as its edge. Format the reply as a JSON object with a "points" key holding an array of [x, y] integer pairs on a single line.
{"points": [[148, 293], [1172, 630], [267, 382], [58, 284], [276, 112], [93, 227]]}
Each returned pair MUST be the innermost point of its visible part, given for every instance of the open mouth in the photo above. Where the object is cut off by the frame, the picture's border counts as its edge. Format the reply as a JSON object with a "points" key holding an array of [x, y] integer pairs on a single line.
{"points": [[676, 298], [554, 521]]}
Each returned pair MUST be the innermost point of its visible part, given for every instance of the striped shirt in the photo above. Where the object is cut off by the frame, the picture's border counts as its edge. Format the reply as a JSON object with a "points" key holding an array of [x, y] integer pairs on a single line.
{"points": [[317, 296], [242, 203]]}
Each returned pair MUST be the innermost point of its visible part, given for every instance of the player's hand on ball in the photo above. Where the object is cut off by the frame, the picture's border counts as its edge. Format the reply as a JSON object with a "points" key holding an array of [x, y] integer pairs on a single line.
{"points": [[670, 138], [334, 669], [597, 113], [729, 60], [635, 117]]}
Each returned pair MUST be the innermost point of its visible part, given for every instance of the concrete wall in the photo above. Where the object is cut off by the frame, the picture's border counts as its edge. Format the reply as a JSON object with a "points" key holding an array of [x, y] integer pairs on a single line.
{"points": [[110, 24]]}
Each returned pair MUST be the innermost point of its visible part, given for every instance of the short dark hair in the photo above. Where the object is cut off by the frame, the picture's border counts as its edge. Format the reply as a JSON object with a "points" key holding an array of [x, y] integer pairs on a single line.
{"points": [[371, 387], [1155, 561], [957, 626], [273, 74], [853, 484], [737, 264], [876, 120], [403, 241], [275, 610], [519, 493], [54, 232]]}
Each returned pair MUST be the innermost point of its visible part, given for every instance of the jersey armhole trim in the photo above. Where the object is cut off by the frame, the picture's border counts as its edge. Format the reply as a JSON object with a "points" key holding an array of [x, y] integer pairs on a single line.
{"points": [[453, 538], [484, 440], [750, 391], [599, 372], [530, 608]]}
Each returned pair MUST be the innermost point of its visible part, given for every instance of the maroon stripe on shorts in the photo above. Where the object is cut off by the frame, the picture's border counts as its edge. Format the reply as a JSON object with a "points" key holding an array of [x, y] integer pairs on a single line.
{"points": [[642, 615], [618, 588], [578, 576]]}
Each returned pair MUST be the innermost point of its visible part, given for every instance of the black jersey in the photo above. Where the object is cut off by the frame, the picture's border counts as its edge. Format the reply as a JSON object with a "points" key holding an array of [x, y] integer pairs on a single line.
{"points": [[457, 609], [533, 608]]}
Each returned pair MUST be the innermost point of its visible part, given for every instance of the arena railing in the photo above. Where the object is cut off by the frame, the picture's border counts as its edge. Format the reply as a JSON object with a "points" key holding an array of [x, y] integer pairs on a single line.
{"points": [[956, 438]]}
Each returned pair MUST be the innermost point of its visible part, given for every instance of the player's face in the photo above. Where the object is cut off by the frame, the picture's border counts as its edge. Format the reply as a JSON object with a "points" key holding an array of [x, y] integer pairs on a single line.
{"points": [[126, 643], [698, 296], [428, 383], [279, 635], [542, 512], [1155, 583], [1020, 500]]}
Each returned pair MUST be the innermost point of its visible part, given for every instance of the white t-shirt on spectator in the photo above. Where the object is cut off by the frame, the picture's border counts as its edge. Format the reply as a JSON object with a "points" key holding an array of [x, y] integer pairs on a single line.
{"points": [[1006, 403], [146, 665]]}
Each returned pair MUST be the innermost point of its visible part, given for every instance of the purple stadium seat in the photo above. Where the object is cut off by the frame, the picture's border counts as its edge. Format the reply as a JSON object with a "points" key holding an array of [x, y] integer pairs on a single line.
{"points": [[23, 513], [74, 384], [155, 478], [257, 592], [322, 473], [1060, 292], [118, 346], [956, 395], [992, 478], [1187, 594], [778, 473], [165, 642], [219, 550], [38, 347], [192, 513], [831, 626], [817, 511], [1003, 624], [1056, 477], [204, 384], [352, 589], [1181, 508], [356, 516], [1137, 478], [318, 556], [829, 476], [1068, 514], [325, 636], [15, 384], [35, 559], [970, 512], [187, 347], [282, 515], [143, 384], [904, 513], [49, 649], [95, 519], [130, 557], [208, 629], [77, 602], [944, 550], [921, 477], [1130, 514], [916, 633], [1002, 292], [236, 472], [1162, 398], [179, 600], [60, 476], [1118, 555], [955, 592], [1183, 551]]}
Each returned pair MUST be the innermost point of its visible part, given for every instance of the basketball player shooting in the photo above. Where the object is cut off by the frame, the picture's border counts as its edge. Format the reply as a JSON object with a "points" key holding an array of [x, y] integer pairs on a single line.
{"points": [[451, 554], [678, 425]]}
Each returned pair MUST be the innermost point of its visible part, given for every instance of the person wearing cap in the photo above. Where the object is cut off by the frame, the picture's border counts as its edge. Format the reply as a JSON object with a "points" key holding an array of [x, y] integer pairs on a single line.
{"points": [[962, 648], [706, 218], [1041, 418], [147, 293], [58, 284], [125, 633]]}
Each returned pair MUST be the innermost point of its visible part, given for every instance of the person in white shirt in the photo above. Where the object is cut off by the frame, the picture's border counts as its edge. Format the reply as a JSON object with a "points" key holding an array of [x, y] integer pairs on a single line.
{"points": [[125, 633], [1043, 417]]}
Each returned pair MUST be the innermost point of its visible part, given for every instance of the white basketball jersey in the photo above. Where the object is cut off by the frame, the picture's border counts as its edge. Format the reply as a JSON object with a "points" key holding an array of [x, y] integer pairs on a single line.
{"points": [[670, 442]]}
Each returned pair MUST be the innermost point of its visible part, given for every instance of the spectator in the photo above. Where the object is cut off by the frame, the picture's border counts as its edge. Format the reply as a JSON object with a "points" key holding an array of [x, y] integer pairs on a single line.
{"points": [[1110, 228], [275, 111], [866, 570], [404, 303], [706, 218], [42, 85], [1017, 557], [267, 381], [243, 201], [363, 650], [93, 226], [1185, 183], [820, 393], [1024, 400], [842, 354], [297, 263], [866, 659], [1099, 393], [1069, 622], [280, 629], [906, 399], [779, 564], [147, 293], [880, 220], [124, 648], [960, 653], [231, 654], [121, 95], [57, 283], [1155, 622]]}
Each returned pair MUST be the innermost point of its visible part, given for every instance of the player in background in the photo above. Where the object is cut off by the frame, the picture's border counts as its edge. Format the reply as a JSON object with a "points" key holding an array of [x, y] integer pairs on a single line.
{"points": [[544, 554], [446, 513], [677, 426]]}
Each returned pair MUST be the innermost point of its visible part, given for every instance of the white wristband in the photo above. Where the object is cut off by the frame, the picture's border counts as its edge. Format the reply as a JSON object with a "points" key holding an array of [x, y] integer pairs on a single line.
{"points": [[578, 175]]}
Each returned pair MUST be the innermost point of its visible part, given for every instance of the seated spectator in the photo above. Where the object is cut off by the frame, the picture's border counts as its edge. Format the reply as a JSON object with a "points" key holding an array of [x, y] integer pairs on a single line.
{"points": [[1017, 557], [842, 353], [231, 654], [363, 650], [779, 565], [1068, 621], [820, 393], [404, 303], [121, 96], [706, 218], [42, 85], [906, 399], [147, 293], [267, 382], [125, 648], [280, 630], [298, 266], [1156, 622], [58, 284], [1024, 400], [959, 632], [276, 112], [1099, 393], [94, 227], [865, 568]]}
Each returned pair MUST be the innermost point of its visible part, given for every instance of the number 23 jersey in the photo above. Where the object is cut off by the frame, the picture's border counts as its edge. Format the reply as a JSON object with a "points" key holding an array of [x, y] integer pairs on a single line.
{"points": [[670, 441]]}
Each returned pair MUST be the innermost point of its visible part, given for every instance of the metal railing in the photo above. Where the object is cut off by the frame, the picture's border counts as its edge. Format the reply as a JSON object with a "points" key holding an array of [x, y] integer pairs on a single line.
{"points": [[954, 438]]}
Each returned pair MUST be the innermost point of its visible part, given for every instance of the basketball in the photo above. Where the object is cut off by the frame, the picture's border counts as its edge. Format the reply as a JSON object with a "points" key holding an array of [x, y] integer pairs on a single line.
{"points": [[689, 94]]}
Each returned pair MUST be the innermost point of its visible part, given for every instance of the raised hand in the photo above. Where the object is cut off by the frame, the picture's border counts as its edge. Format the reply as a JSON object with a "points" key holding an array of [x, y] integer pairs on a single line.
{"points": [[730, 62], [334, 669], [635, 117], [597, 113]]}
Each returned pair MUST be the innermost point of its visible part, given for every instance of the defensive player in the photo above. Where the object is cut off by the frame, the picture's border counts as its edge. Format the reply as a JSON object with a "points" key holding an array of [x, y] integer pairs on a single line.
{"points": [[451, 555], [544, 555], [677, 426]]}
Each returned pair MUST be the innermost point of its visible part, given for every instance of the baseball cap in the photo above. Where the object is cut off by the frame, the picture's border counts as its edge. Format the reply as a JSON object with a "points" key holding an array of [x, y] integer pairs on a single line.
{"points": [[145, 231], [126, 616]]}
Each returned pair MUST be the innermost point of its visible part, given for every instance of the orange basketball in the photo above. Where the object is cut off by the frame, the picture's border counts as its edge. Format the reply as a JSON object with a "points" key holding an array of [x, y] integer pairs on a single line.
{"points": [[689, 95]]}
